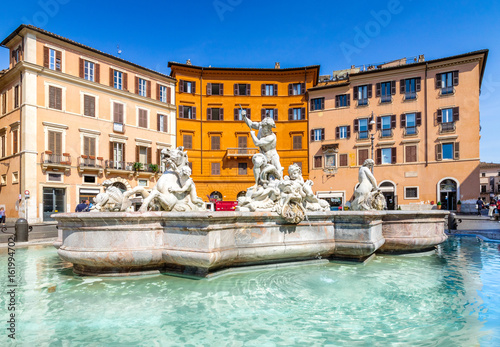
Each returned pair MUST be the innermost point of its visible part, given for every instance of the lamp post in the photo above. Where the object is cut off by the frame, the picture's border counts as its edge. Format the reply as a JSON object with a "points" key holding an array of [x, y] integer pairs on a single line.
{"points": [[372, 135]]}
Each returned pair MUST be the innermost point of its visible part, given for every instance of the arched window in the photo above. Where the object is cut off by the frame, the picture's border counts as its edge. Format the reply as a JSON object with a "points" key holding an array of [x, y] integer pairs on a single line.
{"points": [[120, 186], [241, 194], [215, 196]]}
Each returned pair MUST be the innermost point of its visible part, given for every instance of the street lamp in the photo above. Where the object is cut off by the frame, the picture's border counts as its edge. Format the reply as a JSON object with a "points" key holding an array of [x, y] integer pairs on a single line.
{"points": [[372, 135]]}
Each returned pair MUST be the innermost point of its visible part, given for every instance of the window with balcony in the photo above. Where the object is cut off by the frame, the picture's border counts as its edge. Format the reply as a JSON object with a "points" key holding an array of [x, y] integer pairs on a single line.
{"points": [[317, 134], [298, 113], [343, 132], [362, 127], [242, 89], [215, 113], [54, 147], [385, 124], [215, 89], [446, 82], [410, 122], [187, 112], [447, 118], [317, 104], [342, 100], [409, 87], [269, 89], [143, 156], [362, 94], [117, 156], [385, 90], [296, 88]]}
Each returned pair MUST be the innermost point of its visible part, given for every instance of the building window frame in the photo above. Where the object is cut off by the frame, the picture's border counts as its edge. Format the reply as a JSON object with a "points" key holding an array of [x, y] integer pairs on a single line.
{"points": [[89, 70], [318, 104], [406, 195], [47, 96], [118, 79], [142, 86]]}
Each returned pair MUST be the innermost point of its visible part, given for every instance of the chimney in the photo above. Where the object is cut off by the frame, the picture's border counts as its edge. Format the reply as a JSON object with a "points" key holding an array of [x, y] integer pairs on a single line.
{"points": [[421, 58], [277, 65], [188, 62]]}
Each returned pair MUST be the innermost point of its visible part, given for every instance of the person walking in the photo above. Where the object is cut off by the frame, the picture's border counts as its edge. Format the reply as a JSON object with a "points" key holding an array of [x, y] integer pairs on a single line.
{"points": [[2, 216], [479, 204]]}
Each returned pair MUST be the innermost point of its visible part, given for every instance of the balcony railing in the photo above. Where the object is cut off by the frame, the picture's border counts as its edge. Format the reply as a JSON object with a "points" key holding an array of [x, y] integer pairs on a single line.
{"points": [[362, 102], [447, 90], [386, 133], [119, 165], [363, 135], [410, 95], [386, 98], [90, 163], [56, 161], [447, 127], [411, 130], [242, 152]]}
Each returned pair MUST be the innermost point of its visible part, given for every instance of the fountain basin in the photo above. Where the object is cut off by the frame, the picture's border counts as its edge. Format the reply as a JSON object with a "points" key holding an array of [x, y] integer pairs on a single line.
{"points": [[199, 243]]}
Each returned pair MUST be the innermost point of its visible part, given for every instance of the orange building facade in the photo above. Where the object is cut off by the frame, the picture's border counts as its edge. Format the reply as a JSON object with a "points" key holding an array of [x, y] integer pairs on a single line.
{"points": [[419, 121], [210, 127], [70, 118]]}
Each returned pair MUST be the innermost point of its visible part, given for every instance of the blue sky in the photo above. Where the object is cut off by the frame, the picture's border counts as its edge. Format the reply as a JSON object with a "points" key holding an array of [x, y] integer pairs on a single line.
{"points": [[244, 33]]}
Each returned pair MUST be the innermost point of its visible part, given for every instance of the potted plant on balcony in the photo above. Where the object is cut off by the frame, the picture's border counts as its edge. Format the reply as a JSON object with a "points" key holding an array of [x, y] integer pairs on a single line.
{"points": [[154, 168], [137, 166], [439, 205], [459, 206]]}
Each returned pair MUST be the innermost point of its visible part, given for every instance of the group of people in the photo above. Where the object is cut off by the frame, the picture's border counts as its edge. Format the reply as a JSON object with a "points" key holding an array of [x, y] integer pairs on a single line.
{"points": [[492, 206], [84, 206]]}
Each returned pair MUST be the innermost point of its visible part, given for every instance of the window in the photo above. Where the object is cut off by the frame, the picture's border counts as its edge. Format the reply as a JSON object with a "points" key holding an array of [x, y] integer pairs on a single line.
{"points": [[385, 91], [162, 123], [411, 154], [330, 161], [118, 118], [317, 134], [447, 117], [342, 100], [483, 174], [409, 87], [142, 118], [297, 142], [15, 177], [89, 105], [164, 94], [215, 143], [51, 59], [142, 87], [143, 155], [242, 168], [117, 79], [4, 103], [446, 81], [118, 155], [269, 112], [2, 143], [3, 179], [241, 89], [343, 132], [16, 96], [187, 86], [483, 188], [215, 114], [215, 89], [89, 147], [343, 160], [296, 88], [317, 104], [362, 127], [15, 141], [142, 183], [362, 94], [411, 192], [187, 141], [298, 113], [410, 121], [55, 145], [242, 144], [318, 161], [55, 98], [386, 155], [53, 177], [238, 116], [215, 168], [188, 112], [269, 89], [88, 71], [447, 151], [385, 125]]}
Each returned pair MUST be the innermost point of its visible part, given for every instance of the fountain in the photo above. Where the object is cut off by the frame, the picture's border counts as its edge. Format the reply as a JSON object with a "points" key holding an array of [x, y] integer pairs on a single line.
{"points": [[278, 220]]}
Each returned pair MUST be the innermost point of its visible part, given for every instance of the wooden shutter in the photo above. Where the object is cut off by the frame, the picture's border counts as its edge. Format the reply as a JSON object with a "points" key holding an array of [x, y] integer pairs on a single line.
{"points": [[193, 87], [236, 114], [417, 84], [439, 152], [379, 123], [46, 58], [377, 89], [148, 89], [249, 111], [236, 90], [215, 143], [302, 88], [356, 125], [455, 78], [370, 87], [125, 80], [297, 142], [393, 87], [169, 95], [58, 61], [355, 93], [165, 123], [290, 114], [262, 89], [209, 88], [158, 94], [348, 97], [209, 113], [117, 113], [58, 97], [322, 134], [411, 154], [312, 135], [290, 89], [181, 86], [136, 85], [221, 114], [248, 90], [337, 101], [52, 97], [111, 152], [221, 88], [149, 155], [378, 156], [242, 141], [456, 150], [97, 73], [348, 131], [393, 121], [402, 86], [393, 155], [158, 157], [137, 152], [111, 77], [337, 132], [275, 90], [194, 112], [418, 118], [82, 68], [455, 114], [403, 120], [275, 114], [438, 80], [89, 106], [322, 103], [439, 117], [86, 145], [158, 122], [181, 111]]}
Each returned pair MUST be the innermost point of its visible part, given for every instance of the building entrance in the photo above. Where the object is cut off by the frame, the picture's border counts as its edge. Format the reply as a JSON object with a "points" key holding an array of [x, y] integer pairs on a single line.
{"points": [[448, 195], [53, 202]]}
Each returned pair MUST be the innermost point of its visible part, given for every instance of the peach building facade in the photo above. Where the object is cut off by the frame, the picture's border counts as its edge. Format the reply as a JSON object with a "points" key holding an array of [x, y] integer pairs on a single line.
{"points": [[212, 130], [70, 118], [419, 121], [489, 180]]}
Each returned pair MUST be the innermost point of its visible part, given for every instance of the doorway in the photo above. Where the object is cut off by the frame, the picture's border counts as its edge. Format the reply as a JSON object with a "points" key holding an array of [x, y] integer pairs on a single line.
{"points": [[53, 202], [448, 194], [389, 190]]}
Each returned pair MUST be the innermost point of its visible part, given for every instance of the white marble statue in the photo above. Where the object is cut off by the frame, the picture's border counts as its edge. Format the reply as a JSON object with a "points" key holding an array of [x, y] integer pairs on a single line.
{"points": [[367, 196], [112, 199]]}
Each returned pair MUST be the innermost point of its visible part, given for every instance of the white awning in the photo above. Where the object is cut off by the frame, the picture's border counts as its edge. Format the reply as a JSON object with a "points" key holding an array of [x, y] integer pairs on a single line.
{"points": [[323, 195], [89, 191]]}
